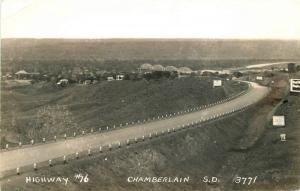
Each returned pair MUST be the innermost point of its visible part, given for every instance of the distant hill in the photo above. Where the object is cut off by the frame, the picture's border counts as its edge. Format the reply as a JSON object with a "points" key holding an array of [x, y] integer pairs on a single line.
{"points": [[147, 49]]}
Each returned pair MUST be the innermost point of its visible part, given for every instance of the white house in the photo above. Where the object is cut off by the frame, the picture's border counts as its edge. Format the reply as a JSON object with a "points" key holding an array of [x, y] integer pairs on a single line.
{"points": [[120, 77], [184, 70], [110, 78], [63, 82]]}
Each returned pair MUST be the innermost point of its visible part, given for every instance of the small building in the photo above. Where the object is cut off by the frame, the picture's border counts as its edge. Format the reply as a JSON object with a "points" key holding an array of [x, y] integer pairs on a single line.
{"points": [[184, 70], [208, 72], [171, 69], [158, 67], [260, 78], [7, 76], [145, 68], [225, 72], [87, 82], [120, 77], [217, 83], [110, 78], [22, 74], [63, 82]]}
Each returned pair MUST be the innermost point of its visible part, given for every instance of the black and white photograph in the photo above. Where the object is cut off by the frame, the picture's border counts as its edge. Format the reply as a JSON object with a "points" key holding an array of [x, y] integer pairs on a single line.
{"points": [[150, 95]]}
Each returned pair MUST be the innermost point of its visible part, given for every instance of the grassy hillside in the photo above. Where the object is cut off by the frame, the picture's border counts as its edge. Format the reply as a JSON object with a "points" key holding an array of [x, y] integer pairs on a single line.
{"points": [[43, 110]]}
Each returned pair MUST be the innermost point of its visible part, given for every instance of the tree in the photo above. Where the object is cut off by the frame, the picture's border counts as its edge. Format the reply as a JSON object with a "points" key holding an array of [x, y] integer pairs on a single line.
{"points": [[237, 74], [298, 68], [291, 67]]}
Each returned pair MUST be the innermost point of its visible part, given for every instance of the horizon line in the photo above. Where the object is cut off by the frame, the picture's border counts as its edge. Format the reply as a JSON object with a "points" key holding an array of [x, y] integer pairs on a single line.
{"points": [[151, 38]]}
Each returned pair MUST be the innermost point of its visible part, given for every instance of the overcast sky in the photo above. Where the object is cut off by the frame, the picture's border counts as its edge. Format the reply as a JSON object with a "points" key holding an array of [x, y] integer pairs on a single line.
{"points": [[275, 19]]}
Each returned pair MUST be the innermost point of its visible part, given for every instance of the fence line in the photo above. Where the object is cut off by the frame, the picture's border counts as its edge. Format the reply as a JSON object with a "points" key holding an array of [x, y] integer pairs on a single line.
{"points": [[117, 145]]}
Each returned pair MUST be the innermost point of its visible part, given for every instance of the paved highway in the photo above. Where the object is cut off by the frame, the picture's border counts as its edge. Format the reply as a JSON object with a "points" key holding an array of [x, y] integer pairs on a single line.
{"points": [[12, 159]]}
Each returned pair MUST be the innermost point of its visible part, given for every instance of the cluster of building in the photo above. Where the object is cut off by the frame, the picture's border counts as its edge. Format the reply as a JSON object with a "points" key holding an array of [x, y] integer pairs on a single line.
{"points": [[181, 70], [150, 68], [21, 75], [85, 76], [65, 82], [64, 78]]}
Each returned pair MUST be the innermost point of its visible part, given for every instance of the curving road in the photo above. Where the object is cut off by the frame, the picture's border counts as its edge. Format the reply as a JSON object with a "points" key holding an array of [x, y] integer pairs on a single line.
{"points": [[12, 159]]}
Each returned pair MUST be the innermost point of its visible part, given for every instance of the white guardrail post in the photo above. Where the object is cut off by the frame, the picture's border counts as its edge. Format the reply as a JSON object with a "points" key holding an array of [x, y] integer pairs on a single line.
{"points": [[18, 171]]}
